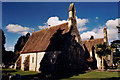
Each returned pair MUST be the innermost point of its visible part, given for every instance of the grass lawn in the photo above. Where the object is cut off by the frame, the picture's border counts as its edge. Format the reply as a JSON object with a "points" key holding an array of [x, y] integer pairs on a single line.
{"points": [[10, 71], [96, 75]]}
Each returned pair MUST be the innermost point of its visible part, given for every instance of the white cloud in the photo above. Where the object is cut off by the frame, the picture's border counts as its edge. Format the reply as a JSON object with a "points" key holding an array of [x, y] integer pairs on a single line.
{"points": [[15, 28], [95, 30], [81, 24], [97, 33], [97, 18], [112, 23], [82, 28], [112, 34], [52, 21], [112, 31], [10, 48], [43, 27]]}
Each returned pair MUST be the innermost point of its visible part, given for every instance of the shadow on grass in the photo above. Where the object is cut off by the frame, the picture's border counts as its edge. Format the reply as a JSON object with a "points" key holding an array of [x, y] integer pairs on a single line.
{"points": [[6, 74], [113, 78], [62, 75], [5, 71], [66, 77]]}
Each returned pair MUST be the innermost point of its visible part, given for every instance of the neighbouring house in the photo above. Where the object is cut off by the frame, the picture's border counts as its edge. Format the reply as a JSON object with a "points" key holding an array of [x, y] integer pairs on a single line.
{"points": [[54, 48], [91, 45]]}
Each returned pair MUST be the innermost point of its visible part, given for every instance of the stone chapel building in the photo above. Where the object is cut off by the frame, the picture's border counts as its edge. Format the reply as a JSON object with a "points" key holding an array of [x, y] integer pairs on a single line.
{"points": [[58, 47], [61, 43]]}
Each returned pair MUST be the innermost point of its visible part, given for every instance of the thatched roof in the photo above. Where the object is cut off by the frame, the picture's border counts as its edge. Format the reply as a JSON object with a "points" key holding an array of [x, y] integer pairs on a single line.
{"points": [[40, 40], [93, 42]]}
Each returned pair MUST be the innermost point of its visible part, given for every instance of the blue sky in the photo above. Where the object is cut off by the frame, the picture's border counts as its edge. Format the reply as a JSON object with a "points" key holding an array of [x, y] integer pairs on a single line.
{"points": [[21, 17]]}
